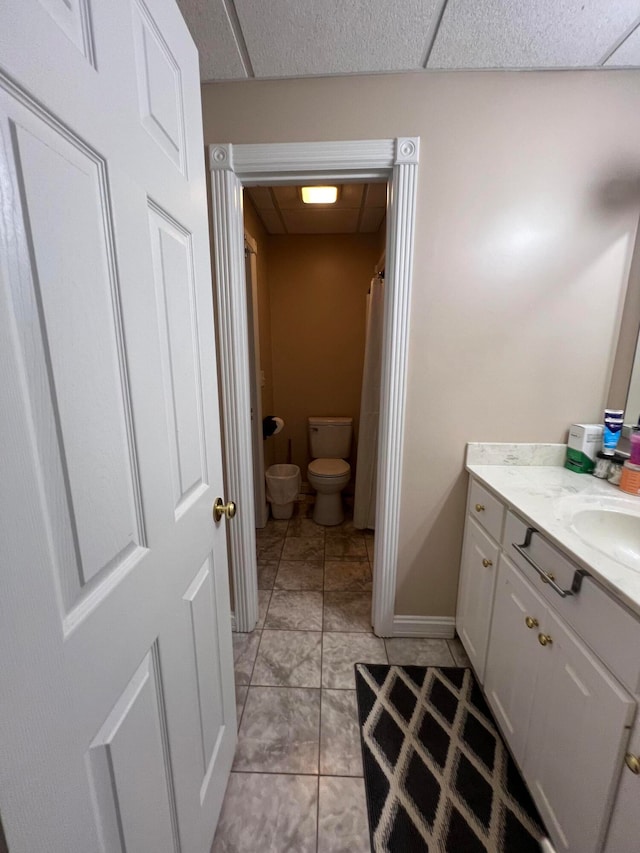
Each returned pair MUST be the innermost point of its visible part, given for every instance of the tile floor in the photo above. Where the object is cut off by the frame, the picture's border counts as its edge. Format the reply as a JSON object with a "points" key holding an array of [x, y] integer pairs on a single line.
{"points": [[296, 784]]}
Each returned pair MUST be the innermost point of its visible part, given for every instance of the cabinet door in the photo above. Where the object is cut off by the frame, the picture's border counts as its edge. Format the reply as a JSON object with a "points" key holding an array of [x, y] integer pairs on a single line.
{"points": [[513, 658], [624, 829], [477, 582], [577, 737]]}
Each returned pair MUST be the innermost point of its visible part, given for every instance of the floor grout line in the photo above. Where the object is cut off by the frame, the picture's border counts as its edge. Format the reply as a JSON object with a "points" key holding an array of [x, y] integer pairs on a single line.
{"points": [[289, 773]]}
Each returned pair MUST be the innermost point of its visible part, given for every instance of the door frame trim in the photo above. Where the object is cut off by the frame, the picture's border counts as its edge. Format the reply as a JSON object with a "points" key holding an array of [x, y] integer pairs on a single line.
{"points": [[232, 166]]}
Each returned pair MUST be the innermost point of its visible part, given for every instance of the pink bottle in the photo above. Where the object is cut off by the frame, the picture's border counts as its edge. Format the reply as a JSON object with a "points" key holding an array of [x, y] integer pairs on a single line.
{"points": [[635, 446]]}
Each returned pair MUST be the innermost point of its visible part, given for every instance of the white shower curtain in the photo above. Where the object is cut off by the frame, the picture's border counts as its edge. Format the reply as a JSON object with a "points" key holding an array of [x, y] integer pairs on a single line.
{"points": [[364, 508]]}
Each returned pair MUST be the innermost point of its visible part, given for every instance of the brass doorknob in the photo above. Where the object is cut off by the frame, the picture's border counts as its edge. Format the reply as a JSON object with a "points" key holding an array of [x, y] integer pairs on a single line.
{"points": [[220, 508], [632, 762], [479, 508], [486, 563], [531, 622], [544, 639]]}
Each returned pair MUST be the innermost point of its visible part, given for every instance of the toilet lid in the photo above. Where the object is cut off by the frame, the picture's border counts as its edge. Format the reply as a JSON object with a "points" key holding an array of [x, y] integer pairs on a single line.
{"points": [[329, 467]]}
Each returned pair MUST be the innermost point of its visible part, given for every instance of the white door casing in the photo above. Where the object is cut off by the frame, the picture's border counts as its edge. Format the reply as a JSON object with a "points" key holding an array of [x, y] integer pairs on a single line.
{"points": [[117, 711], [232, 166]]}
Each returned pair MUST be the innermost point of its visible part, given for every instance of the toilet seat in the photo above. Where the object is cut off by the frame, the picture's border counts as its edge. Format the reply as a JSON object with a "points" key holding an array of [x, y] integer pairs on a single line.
{"points": [[329, 467]]}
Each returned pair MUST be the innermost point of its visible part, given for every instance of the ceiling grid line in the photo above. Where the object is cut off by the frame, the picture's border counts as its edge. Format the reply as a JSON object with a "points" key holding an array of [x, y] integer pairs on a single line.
{"points": [[238, 34], [617, 44], [363, 203], [276, 206], [433, 34]]}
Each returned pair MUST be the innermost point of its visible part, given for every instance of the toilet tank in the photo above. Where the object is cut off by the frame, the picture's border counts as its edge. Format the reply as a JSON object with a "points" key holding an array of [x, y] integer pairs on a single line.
{"points": [[330, 438]]}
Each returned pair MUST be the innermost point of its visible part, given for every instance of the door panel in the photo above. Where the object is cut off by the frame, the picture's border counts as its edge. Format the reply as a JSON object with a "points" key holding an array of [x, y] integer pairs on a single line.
{"points": [[199, 596], [73, 18], [175, 294], [131, 769], [85, 433], [117, 717], [158, 76]]}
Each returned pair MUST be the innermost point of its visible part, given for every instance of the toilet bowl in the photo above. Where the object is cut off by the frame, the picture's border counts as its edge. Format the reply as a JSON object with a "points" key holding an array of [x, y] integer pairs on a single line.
{"points": [[328, 477], [329, 473]]}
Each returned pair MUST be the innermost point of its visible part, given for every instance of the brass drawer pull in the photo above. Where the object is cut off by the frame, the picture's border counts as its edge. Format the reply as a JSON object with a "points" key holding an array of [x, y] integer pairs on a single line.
{"points": [[632, 762], [479, 508], [544, 639], [486, 563], [531, 622]]}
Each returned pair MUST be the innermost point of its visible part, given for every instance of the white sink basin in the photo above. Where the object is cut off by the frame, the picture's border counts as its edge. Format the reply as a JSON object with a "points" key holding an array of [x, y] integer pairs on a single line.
{"points": [[611, 524]]}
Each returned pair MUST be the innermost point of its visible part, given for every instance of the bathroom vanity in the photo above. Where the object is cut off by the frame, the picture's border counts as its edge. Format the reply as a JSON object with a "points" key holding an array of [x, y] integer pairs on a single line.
{"points": [[549, 614]]}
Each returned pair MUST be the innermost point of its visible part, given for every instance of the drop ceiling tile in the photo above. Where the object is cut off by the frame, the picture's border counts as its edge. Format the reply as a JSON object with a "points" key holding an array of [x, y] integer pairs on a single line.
{"points": [[287, 196], [371, 219], [213, 34], [271, 222], [288, 39], [261, 198], [529, 33], [321, 221], [376, 195], [628, 54], [350, 195]]}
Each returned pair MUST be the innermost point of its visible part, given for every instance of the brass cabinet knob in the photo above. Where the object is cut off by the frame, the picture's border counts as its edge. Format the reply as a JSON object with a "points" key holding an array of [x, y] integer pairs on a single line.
{"points": [[221, 508], [479, 508], [632, 762], [544, 639], [486, 563], [531, 622]]}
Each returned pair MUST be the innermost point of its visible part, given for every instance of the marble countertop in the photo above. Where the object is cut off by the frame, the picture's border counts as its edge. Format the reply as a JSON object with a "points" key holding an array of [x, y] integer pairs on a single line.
{"points": [[530, 479]]}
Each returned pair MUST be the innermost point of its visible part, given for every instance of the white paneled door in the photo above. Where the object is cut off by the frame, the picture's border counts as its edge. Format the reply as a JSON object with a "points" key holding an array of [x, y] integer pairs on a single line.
{"points": [[117, 711]]}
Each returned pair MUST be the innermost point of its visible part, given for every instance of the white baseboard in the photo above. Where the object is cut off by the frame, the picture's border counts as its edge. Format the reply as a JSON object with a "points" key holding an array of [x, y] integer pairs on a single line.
{"points": [[441, 627]]}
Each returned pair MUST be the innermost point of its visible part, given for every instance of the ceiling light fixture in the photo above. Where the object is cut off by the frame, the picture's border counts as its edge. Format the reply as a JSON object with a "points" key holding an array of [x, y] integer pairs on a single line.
{"points": [[319, 195]]}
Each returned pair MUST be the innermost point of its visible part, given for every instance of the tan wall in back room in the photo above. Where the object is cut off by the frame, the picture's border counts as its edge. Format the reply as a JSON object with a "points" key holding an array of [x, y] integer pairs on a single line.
{"points": [[525, 206], [255, 228], [318, 287]]}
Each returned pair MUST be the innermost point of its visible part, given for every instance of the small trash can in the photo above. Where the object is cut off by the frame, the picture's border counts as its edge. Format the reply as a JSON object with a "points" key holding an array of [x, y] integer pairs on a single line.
{"points": [[283, 485]]}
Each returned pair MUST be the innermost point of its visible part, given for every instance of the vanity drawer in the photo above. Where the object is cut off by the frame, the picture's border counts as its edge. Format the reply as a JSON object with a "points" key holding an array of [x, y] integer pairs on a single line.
{"points": [[486, 509], [611, 630]]}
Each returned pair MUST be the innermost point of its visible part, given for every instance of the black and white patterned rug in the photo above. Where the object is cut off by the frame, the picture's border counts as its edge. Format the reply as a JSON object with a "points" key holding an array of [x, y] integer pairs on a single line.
{"points": [[437, 774]]}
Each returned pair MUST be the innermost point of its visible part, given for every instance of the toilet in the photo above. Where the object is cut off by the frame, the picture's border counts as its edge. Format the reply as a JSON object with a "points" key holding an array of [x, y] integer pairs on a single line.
{"points": [[329, 473]]}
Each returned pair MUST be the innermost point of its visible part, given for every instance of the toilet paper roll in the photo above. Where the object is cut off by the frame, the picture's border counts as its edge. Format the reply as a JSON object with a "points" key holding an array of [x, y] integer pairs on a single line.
{"points": [[279, 425]]}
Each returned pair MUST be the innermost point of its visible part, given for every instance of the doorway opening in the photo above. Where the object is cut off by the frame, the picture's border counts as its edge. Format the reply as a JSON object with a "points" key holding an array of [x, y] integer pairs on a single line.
{"points": [[315, 299], [277, 165]]}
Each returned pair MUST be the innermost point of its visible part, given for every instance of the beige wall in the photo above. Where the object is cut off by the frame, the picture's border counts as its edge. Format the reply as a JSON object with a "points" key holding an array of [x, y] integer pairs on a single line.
{"points": [[253, 225], [318, 290], [523, 222]]}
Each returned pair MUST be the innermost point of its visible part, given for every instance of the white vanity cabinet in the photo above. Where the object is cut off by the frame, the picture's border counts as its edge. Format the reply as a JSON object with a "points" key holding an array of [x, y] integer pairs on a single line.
{"points": [[564, 716], [562, 689]]}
